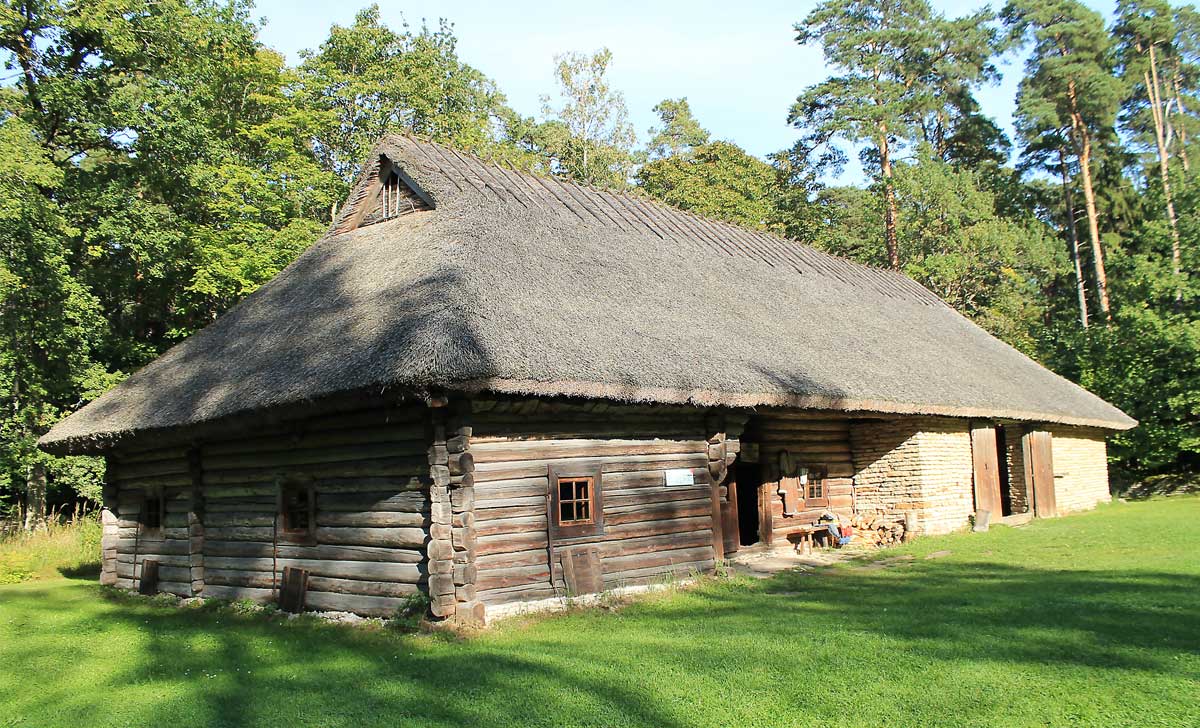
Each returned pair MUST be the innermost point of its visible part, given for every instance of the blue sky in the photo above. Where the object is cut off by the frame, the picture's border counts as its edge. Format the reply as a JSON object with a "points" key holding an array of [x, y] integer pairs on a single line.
{"points": [[737, 63]]}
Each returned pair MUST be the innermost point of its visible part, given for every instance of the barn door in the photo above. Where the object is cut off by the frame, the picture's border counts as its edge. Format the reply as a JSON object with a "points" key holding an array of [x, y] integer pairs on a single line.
{"points": [[987, 469], [1038, 448], [729, 515]]}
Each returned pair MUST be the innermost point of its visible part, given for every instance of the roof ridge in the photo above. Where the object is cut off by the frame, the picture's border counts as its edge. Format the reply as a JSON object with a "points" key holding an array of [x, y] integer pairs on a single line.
{"points": [[582, 199]]}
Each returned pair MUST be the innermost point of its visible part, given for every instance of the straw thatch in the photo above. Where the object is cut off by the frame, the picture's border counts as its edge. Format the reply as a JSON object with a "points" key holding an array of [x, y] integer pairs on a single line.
{"points": [[520, 284]]}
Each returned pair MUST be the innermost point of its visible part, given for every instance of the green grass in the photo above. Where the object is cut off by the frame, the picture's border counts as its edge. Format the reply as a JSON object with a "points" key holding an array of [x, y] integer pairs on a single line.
{"points": [[1087, 620], [61, 549]]}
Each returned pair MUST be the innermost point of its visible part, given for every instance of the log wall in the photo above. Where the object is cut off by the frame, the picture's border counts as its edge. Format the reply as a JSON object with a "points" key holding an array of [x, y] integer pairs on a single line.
{"points": [[651, 531], [813, 441], [369, 471]]}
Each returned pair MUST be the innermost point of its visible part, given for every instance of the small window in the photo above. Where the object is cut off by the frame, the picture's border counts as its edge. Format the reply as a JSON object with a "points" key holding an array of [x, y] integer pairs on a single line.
{"points": [[575, 504], [575, 501], [297, 512], [152, 515], [816, 492]]}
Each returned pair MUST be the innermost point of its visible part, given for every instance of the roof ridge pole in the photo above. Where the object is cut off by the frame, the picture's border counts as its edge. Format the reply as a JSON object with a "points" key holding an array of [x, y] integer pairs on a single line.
{"points": [[638, 215], [561, 201], [537, 194], [574, 198], [469, 168]]}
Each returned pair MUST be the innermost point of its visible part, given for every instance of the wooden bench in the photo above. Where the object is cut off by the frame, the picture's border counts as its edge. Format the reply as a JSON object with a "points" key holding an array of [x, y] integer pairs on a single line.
{"points": [[802, 537]]}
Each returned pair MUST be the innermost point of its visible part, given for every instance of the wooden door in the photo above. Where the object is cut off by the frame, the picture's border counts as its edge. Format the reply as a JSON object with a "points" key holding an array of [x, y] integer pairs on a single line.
{"points": [[987, 469], [1038, 448], [730, 530]]}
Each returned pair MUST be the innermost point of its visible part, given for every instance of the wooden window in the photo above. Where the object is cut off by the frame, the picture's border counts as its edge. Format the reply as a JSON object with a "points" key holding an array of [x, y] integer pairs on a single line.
{"points": [[297, 511], [816, 491], [152, 515], [576, 507], [575, 501]]}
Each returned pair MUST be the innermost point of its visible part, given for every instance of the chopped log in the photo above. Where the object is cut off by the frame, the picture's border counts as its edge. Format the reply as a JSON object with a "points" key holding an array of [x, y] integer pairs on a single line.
{"points": [[396, 537]]}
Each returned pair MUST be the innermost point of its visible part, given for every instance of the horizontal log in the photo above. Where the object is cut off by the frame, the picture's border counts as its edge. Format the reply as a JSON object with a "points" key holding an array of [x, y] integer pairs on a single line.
{"points": [[528, 557], [617, 501], [491, 452], [509, 470], [533, 507], [407, 439], [233, 593], [313, 456], [499, 578], [373, 519], [363, 570], [165, 573], [323, 552], [523, 593], [181, 561], [170, 547], [127, 458], [658, 512], [396, 537], [493, 526], [487, 492], [408, 501], [656, 574], [368, 606], [388, 467], [657, 558], [509, 543], [361, 587], [156, 469]]}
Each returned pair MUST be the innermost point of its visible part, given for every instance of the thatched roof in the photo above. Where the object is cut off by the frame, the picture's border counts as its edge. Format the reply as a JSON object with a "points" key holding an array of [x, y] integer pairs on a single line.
{"points": [[519, 284]]}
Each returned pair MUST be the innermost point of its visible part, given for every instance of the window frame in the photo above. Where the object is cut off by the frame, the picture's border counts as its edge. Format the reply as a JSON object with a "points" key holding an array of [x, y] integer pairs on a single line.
{"points": [[285, 532], [817, 476], [145, 530], [576, 529]]}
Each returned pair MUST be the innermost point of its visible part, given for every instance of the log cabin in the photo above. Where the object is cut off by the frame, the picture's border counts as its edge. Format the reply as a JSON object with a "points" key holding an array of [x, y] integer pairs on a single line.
{"points": [[491, 388]]}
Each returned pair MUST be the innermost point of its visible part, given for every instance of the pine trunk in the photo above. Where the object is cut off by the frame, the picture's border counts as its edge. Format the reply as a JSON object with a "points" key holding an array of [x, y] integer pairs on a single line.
{"points": [[1072, 232], [891, 238], [1083, 147]]}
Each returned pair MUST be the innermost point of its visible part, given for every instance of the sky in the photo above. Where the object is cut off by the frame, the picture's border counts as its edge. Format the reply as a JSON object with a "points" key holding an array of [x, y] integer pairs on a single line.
{"points": [[736, 62]]}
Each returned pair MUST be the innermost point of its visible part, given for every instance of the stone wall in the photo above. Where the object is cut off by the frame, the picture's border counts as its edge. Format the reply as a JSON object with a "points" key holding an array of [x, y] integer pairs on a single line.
{"points": [[919, 467], [1018, 492], [1080, 468]]}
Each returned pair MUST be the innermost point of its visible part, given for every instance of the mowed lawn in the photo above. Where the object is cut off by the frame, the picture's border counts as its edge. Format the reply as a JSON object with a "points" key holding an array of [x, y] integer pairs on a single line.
{"points": [[1087, 620]]}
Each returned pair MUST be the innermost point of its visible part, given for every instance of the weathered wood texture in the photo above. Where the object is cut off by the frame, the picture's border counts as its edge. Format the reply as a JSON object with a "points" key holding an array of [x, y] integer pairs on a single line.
{"points": [[651, 531], [810, 441], [985, 456], [369, 472]]}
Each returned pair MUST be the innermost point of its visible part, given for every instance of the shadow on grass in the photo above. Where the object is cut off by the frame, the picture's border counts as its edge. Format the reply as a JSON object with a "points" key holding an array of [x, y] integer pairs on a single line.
{"points": [[225, 670], [87, 571]]}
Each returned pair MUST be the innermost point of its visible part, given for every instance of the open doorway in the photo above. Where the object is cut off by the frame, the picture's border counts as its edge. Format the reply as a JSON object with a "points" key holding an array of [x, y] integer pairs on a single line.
{"points": [[749, 483], [1006, 501]]}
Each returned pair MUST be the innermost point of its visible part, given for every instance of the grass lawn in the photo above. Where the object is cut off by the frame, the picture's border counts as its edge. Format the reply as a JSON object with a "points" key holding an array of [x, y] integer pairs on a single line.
{"points": [[1087, 620]]}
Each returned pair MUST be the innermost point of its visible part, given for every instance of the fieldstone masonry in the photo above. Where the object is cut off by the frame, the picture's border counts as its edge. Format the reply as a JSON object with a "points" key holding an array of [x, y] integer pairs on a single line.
{"points": [[921, 468]]}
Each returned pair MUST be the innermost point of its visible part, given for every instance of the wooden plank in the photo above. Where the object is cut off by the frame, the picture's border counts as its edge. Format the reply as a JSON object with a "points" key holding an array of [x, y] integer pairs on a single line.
{"points": [[986, 468], [1038, 449]]}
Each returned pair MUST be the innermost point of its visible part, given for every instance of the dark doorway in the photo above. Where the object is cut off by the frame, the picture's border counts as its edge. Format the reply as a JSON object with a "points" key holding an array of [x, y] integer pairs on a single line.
{"points": [[749, 482], [1002, 462]]}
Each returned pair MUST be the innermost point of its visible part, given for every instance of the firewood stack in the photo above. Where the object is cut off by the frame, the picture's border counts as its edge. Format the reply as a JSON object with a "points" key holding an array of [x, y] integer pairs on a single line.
{"points": [[877, 530]]}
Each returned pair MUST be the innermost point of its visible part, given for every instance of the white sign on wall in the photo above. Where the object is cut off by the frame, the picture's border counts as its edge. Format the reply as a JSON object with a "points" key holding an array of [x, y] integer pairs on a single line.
{"points": [[680, 477]]}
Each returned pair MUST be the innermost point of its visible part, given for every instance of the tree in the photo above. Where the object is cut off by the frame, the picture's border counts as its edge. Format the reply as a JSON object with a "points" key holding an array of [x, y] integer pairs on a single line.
{"points": [[178, 178], [679, 133], [596, 140], [895, 62], [1069, 83], [717, 179], [1146, 29], [367, 80]]}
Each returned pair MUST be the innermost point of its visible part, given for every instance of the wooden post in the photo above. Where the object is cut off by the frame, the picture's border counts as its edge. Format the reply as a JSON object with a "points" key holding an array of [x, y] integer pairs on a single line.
{"points": [[717, 469]]}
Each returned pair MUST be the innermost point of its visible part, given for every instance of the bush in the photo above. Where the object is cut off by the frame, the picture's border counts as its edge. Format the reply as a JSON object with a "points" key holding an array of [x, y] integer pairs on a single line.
{"points": [[60, 549]]}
